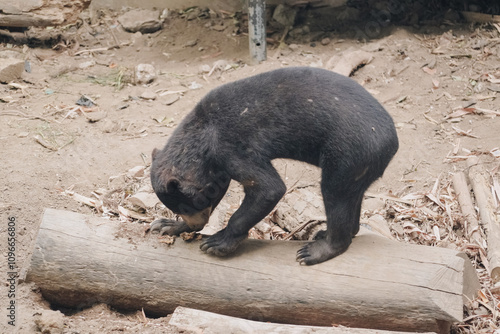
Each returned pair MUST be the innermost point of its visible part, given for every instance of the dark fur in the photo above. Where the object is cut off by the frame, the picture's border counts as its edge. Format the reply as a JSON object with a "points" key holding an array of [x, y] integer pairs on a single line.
{"points": [[306, 114]]}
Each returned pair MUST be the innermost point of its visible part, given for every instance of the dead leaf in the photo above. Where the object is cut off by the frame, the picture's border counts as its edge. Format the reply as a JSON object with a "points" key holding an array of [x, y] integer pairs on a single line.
{"points": [[190, 236], [167, 239], [428, 70]]}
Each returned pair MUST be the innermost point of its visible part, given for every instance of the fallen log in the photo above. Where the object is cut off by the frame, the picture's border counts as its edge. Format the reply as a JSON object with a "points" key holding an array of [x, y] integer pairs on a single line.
{"points": [[352, 61], [480, 17], [40, 13], [467, 207], [80, 260], [479, 180], [196, 321]]}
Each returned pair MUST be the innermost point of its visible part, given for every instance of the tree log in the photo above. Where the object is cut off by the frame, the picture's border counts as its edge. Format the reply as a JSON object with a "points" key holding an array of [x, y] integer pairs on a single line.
{"points": [[479, 180], [42, 13], [196, 321], [378, 283], [467, 207]]}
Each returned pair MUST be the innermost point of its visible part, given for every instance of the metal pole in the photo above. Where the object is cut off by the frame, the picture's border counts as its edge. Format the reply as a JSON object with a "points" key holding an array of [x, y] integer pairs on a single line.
{"points": [[257, 29]]}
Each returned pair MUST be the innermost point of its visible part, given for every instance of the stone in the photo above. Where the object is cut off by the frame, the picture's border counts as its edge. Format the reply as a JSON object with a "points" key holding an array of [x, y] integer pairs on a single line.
{"points": [[49, 322], [11, 69], [325, 41], [170, 99], [148, 95], [143, 20], [373, 204], [144, 200], [190, 44], [285, 15], [86, 64], [145, 73], [205, 68]]}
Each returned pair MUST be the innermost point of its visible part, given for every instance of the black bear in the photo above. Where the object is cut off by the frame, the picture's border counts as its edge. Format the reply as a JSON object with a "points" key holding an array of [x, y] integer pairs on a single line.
{"points": [[237, 129]]}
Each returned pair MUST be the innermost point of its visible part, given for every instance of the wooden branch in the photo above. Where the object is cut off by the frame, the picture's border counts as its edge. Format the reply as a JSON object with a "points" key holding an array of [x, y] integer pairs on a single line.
{"points": [[351, 61], [40, 13], [467, 207], [480, 17], [479, 180], [196, 321], [378, 283]]}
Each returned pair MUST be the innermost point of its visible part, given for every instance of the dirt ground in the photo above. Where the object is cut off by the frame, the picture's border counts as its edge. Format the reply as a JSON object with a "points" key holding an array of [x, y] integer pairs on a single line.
{"points": [[422, 75]]}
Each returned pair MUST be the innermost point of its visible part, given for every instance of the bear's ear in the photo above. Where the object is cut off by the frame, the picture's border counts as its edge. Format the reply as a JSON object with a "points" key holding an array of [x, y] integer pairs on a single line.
{"points": [[154, 153], [172, 185]]}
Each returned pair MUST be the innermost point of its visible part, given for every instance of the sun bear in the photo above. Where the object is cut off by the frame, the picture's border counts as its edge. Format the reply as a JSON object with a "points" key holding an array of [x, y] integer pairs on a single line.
{"points": [[236, 130]]}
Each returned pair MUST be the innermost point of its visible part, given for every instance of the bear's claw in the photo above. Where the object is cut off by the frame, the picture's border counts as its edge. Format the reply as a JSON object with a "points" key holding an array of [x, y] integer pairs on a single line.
{"points": [[220, 244], [169, 226], [319, 251]]}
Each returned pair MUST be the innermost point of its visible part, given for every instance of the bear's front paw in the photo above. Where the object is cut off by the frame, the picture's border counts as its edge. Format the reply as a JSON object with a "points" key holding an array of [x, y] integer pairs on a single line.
{"points": [[169, 226], [220, 244], [320, 251]]}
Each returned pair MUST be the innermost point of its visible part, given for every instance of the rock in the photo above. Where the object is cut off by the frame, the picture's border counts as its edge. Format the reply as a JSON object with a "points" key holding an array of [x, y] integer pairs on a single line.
{"points": [[373, 204], [95, 116], [190, 44], [143, 20], [194, 85], [170, 99], [148, 95], [108, 126], [325, 41], [219, 27], [285, 15], [49, 322], [86, 64], [452, 15], [205, 68], [293, 47], [11, 69], [144, 200], [296, 32], [144, 74]]}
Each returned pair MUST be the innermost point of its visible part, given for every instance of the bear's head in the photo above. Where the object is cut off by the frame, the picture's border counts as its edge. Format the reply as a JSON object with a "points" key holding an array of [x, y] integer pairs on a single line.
{"points": [[188, 193]]}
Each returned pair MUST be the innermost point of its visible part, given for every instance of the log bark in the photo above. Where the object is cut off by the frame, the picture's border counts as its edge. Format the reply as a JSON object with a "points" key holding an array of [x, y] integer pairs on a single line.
{"points": [[479, 180], [42, 13], [186, 319], [378, 283]]}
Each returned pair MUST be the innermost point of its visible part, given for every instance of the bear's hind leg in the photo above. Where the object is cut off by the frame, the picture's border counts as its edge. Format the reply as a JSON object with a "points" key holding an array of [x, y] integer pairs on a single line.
{"points": [[337, 237], [342, 206]]}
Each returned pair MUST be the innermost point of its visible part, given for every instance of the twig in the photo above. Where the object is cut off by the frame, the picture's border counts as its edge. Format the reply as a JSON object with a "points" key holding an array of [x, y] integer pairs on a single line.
{"points": [[299, 228], [390, 198], [117, 41], [280, 45], [21, 114]]}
